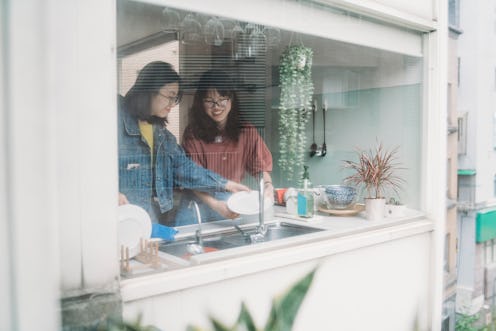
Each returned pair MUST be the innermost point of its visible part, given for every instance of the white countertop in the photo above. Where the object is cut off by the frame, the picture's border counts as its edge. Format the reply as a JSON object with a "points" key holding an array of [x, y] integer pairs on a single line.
{"points": [[342, 233]]}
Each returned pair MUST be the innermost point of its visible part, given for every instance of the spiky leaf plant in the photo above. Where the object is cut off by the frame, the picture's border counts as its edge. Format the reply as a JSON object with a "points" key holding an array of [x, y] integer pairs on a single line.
{"points": [[375, 170], [282, 314]]}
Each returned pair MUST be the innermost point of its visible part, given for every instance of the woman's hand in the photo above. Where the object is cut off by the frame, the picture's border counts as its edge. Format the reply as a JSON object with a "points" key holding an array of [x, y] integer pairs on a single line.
{"points": [[122, 199], [221, 208], [269, 191], [235, 187]]}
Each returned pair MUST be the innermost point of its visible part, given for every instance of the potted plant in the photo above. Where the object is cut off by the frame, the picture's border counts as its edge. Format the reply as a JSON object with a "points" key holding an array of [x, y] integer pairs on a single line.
{"points": [[375, 171], [295, 75]]}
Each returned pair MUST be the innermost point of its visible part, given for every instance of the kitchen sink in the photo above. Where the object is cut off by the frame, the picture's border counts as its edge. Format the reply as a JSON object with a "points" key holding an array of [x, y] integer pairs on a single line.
{"points": [[234, 237]]}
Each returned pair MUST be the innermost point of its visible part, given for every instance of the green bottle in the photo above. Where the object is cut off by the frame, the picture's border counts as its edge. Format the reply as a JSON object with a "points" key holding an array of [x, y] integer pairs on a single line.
{"points": [[305, 196]]}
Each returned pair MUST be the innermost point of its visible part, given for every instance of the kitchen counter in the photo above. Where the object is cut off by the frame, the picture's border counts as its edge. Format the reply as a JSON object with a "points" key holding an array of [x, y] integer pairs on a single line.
{"points": [[341, 234]]}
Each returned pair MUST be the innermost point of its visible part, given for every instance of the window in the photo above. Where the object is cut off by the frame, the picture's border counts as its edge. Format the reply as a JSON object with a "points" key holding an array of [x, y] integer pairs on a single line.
{"points": [[454, 13], [369, 93], [490, 251]]}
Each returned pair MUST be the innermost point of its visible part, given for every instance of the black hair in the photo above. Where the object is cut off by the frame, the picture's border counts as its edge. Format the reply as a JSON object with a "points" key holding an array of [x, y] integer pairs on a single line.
{"points": [[150, 80], [200, 125]]}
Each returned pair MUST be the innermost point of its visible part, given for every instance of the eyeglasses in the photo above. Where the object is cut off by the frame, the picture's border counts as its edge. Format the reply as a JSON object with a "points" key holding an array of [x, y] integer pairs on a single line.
{"points": [[171, 101], [210, 103]]}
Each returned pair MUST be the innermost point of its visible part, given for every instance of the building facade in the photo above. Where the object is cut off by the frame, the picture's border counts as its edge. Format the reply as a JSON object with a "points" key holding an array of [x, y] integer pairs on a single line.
{"points": [[379, 66], [476, 158]]}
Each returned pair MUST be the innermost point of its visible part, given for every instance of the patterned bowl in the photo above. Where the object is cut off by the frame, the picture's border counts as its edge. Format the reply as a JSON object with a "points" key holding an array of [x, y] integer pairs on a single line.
{"points": [[340, 196]]}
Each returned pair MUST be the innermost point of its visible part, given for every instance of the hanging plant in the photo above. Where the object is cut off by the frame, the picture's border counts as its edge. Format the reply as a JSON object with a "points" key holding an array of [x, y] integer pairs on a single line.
{"points": [[294, 109]]}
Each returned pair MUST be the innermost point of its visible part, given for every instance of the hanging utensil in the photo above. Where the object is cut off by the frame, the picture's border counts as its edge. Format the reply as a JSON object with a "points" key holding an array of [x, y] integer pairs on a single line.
{"points": [[313, 147], [324, 146]]}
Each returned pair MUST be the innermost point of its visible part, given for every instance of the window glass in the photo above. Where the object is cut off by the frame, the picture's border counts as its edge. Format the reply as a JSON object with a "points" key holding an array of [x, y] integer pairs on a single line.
{"points": [[351, 95], [368, 94]]}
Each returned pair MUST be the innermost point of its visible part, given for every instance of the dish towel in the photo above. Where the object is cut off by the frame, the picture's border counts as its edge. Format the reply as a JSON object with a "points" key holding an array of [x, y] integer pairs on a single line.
{"points": [[163, 232]]}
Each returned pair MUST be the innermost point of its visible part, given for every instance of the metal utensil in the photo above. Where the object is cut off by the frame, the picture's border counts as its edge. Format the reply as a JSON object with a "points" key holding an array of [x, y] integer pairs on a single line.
{"points": [[313, 147], [324, 146], [194, 248]]}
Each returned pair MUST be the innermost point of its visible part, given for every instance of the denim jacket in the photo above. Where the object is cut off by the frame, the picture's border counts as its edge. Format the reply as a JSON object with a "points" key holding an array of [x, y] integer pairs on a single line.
{"points": [[172, 167]]}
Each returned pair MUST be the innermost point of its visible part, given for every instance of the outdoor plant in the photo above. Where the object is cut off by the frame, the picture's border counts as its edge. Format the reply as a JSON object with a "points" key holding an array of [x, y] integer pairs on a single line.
{"points": [[113, 324], [375, 170], [467, 323], [295, 107], [282, 314]]}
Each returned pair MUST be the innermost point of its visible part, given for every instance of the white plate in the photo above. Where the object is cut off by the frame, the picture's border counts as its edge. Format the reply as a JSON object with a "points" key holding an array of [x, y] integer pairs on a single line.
{"points": [[246, 203], [133, 224]]}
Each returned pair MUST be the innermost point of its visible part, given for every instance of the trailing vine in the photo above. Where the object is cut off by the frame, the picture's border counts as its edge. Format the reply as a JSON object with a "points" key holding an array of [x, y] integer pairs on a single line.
{"points": [[294, 109]]}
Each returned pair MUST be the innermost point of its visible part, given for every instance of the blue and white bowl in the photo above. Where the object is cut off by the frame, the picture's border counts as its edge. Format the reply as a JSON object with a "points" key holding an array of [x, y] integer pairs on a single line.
{"points": [[340, 196]]}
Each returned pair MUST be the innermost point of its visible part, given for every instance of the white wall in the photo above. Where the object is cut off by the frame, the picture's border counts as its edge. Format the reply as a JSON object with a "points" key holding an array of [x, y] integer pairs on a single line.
{"points": [[58, 185], [5, 225], [83, 87], [27, 186], [382, 287]]}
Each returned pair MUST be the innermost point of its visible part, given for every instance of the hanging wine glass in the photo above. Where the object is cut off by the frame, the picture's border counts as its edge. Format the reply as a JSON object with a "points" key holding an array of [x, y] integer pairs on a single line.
{"points": [[228, 26], [249, 46], [273, 36], [257, 42], [249, 28], [213, 32], [190, 30], [237, 38], [170, 19]]}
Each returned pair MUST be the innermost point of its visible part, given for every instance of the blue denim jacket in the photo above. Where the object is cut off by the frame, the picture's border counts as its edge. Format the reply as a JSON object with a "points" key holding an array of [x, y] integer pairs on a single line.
{"points": [[172, 167]]}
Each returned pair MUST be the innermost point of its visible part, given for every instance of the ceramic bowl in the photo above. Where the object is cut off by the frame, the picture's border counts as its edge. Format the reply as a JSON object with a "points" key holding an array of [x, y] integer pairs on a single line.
{"points": [[340, 196]]}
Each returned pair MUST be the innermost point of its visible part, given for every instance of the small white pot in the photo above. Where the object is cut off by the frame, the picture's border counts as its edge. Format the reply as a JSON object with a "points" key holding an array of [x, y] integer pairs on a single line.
{"points": [[374, 208]]}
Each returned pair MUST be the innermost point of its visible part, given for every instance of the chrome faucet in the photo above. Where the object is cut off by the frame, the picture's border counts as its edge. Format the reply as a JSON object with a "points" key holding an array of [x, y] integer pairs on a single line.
{"points": [[198, 232], [261, 228]]}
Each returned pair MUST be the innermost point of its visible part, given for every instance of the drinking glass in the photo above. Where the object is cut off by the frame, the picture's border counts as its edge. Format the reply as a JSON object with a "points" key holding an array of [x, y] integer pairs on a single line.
{"points": [[213, 32], [191, 30], [170, 19]]}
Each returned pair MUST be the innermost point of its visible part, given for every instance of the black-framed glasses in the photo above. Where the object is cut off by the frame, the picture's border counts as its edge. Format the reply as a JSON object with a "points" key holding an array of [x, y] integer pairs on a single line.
{"points": [[171, 101], [211, 103]]}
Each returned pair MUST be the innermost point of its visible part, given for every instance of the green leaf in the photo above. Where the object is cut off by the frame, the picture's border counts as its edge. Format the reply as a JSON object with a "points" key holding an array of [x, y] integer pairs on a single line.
{"points": [[245, 320], [284, 310], [193, 328], [218, 326]]}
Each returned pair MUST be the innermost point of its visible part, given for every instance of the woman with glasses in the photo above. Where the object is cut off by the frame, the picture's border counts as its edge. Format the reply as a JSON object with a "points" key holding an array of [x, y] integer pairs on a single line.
{"points": [[217, 140], [151, 163]]}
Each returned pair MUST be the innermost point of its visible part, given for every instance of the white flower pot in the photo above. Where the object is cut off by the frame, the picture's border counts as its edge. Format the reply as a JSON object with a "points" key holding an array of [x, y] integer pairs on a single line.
{"points": [[374, 208]]}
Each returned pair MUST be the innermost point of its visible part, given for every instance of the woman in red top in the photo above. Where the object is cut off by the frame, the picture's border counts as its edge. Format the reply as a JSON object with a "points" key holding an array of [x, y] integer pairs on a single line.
{"points": [[216, 140]]}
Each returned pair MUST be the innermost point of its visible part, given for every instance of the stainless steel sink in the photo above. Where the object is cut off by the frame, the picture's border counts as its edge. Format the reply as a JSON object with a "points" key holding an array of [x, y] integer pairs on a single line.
{"points": [[232, 238]]}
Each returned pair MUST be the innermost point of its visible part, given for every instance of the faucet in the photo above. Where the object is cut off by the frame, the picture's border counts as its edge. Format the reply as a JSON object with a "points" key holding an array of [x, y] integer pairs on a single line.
{"points": [[198, 232], [261, 228]]}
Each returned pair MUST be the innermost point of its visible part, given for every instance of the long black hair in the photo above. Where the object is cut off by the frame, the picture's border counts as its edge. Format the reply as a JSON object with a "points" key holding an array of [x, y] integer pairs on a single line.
{"points": [[200, 125], [150, 80]]}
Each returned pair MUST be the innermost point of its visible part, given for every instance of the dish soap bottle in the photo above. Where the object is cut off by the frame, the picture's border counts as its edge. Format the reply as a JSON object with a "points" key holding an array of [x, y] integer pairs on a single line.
{"points": [[305, 196]]}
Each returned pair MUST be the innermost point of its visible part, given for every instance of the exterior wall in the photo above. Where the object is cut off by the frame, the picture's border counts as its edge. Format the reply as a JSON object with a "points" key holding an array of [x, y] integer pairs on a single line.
{"points": [[347, 292], [478, 93], [451, 250], [477, 96], [60, 184], [452, 150], [61, 115]]}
